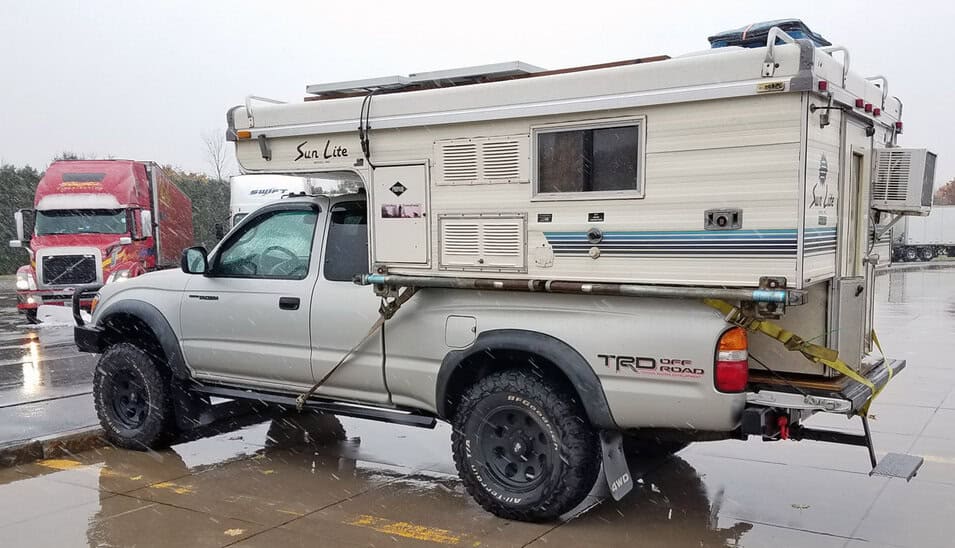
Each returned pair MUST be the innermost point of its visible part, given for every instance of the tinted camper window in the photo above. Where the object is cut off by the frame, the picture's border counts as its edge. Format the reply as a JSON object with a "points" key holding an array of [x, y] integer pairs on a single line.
{"points": [[603, 159]]}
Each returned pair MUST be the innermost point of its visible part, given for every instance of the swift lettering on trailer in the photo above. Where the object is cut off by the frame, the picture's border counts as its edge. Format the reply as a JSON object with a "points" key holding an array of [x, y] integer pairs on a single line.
{"points": [[654, 366], [329, 152]]}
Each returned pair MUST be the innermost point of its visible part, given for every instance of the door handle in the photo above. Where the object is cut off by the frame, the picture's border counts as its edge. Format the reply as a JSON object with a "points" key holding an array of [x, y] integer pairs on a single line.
{"points": [[289, 303]]}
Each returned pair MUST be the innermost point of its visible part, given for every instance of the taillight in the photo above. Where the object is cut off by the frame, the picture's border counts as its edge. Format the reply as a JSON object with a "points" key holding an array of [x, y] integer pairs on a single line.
{"points": [[732, 361]]}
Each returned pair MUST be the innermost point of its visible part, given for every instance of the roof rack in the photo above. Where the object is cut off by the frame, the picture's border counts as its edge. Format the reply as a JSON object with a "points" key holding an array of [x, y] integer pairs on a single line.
{"points": [[433, 79]]}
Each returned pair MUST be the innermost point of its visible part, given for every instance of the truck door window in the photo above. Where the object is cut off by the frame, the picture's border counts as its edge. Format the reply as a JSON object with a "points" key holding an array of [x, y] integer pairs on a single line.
{"points": [[347, 244], [276, 245]]}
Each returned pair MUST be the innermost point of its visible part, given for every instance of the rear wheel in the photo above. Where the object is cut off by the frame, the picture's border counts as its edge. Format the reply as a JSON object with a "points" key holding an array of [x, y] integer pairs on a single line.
{"points": [[132, 398], [523, 446], [910, 254], [926, 254]]}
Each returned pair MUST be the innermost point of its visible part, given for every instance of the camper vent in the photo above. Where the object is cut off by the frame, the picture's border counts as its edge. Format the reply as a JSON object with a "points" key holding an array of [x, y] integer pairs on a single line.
{"points": [[482, 161], [904, 180], [460, 162], [482, 242]]}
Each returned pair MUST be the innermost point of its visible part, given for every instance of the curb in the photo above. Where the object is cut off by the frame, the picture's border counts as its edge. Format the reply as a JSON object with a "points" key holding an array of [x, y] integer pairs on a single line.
{"points": [[48, 447]]}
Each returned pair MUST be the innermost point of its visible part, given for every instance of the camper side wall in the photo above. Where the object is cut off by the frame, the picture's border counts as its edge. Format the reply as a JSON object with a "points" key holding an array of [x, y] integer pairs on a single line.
{"points": [[492, 203]]}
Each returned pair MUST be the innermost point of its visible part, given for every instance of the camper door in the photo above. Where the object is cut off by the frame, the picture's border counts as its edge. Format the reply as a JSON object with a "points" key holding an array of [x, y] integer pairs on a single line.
{"points": [[854, 285]]}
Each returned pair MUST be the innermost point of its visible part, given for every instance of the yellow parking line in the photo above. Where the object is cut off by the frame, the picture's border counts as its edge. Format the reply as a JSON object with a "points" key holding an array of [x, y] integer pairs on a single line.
{"points": [[60, 464], [174, 487], [407, 530]]}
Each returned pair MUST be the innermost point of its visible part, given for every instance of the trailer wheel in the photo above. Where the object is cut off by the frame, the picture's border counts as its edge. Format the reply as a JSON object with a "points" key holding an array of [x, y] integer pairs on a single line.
{"points": [[132, 398], [31, 314], [926, 254], [910, 254], [523, 446], [950, 251]]}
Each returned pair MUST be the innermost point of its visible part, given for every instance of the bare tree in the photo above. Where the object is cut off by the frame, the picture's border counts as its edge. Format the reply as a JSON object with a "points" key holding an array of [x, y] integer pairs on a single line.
{"points": [[217, 153]]}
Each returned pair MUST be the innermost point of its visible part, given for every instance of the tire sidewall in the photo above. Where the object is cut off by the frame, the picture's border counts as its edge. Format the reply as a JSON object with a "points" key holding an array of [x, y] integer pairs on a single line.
{"points": [[126, 357], [471, 429]]}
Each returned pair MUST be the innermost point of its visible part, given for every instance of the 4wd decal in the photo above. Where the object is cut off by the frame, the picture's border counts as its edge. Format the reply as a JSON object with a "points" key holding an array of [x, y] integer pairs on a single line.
{"points": [[664, 367]]}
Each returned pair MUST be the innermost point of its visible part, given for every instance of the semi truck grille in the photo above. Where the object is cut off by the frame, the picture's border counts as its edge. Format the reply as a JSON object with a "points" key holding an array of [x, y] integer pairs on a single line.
{"points": [[69, 269]]}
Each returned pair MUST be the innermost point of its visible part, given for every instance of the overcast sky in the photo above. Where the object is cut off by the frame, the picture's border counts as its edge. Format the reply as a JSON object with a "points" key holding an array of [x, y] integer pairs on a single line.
{"points": [[144, 80]]}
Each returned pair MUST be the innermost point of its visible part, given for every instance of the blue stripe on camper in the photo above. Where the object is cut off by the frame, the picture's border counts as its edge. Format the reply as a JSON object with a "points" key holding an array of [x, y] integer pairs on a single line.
{"points": [[769, 242]]}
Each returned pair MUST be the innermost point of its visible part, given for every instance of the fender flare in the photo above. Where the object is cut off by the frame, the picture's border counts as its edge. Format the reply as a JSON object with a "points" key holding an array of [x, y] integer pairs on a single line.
{"points": [[154, 319], [562, 355]]}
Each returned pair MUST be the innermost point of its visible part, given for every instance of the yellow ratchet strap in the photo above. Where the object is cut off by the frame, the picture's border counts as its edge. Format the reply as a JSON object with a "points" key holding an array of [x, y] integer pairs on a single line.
{"points": [[813, 352]]}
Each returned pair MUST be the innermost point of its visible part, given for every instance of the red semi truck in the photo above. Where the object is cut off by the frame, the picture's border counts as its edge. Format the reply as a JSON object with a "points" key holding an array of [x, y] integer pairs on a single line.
{"points": [[98, 221]]}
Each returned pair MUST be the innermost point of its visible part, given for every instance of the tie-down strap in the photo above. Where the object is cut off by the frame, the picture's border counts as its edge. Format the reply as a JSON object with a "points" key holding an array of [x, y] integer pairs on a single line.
{"points": [[813, 352]]}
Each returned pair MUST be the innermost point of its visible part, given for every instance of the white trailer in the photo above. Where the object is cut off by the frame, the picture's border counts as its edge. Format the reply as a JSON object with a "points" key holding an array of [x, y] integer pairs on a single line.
{"points": [[249, 192], [924, 238], [742, 168]]}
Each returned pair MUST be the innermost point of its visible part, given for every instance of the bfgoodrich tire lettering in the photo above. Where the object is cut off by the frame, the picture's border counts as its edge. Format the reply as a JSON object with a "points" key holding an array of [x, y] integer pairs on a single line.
{"points": [[523, 447], [132, 398]]}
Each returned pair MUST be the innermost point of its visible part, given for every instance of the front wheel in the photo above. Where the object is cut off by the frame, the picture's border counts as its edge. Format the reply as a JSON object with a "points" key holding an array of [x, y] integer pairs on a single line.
{"points": [[523, 447], [132, 398], [31, 314]]}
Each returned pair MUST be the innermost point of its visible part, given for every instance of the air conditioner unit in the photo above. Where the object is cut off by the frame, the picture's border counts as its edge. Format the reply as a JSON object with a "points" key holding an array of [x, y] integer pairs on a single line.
{"points": [[904, 181]]}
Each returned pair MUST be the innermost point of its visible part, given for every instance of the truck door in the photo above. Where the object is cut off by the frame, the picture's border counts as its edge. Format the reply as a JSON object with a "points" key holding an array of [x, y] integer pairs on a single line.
{"points": [[343, 312], [248, 317], [854, 286]]}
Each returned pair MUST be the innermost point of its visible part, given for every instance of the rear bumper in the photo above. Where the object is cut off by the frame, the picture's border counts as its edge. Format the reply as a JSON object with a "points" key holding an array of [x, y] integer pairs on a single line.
{"points": [[846, 397]]}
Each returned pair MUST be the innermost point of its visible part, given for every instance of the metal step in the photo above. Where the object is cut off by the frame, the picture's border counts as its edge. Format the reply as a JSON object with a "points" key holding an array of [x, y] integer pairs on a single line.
{"points": [[897, 465]]}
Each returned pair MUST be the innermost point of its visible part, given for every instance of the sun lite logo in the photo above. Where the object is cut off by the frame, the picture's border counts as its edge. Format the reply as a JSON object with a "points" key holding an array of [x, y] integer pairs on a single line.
{"points": [[329, 152]]}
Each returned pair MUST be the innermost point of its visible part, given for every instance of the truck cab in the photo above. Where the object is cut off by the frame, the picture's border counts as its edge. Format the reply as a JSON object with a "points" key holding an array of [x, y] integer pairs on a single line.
{"points": [[96, 221]]}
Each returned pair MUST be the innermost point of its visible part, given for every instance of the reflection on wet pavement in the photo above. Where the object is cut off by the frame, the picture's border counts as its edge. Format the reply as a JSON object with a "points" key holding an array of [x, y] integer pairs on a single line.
{"points": [[44, 382], [320, 481]]}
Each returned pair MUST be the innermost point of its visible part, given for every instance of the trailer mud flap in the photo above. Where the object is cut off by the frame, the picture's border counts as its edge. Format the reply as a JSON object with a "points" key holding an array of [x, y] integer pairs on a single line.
{"points": [[615, 464]]}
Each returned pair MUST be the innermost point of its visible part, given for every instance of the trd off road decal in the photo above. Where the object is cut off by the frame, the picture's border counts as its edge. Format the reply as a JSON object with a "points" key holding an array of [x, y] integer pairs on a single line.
{"points": [[660, 367]]}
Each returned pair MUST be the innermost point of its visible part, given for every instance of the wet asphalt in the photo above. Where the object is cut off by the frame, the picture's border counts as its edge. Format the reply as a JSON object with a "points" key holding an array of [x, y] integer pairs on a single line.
{"points": [[295, 482], [45, 384]]}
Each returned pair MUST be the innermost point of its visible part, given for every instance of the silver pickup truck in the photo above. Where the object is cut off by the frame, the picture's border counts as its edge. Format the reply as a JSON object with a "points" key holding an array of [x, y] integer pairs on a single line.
{"points": [[540, 389]]}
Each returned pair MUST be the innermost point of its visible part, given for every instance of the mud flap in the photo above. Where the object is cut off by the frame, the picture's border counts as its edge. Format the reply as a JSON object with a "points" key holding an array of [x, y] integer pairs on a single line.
{"points": [[615, 464]]}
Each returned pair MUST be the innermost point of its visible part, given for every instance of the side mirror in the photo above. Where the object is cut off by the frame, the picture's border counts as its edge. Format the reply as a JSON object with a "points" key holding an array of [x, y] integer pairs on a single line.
{"points": [[220, 231], [18, 219], [146, 221], [194, 260]]}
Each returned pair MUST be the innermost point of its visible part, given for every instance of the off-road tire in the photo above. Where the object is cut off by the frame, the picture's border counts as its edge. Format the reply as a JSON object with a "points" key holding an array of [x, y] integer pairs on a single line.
{"points": [[646, 446], [122, 370], [560, 429]]}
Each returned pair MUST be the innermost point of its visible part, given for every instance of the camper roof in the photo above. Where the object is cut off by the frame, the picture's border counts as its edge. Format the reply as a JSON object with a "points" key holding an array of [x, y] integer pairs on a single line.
{"points": [[433, 79]]}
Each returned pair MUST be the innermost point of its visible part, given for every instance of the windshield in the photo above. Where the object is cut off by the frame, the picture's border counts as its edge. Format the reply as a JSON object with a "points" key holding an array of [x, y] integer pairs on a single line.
{"points": [[81, 221]]}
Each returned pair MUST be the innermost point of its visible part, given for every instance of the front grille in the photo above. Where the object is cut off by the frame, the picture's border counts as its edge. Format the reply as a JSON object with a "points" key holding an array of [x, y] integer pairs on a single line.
{"points": [[69, 269]]}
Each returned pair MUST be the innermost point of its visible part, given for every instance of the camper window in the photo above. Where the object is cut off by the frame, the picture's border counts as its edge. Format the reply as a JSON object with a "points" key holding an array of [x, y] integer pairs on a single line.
{"points": [[596, 160]]}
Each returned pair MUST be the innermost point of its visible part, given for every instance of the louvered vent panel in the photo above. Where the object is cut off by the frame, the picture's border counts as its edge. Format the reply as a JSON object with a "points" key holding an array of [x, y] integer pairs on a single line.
{"points": [[461, 239], [493, 242], [501, 160], [460, 162], [892, 175], [503, 239], [482, 160]]}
